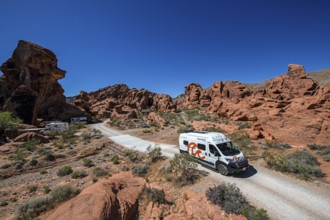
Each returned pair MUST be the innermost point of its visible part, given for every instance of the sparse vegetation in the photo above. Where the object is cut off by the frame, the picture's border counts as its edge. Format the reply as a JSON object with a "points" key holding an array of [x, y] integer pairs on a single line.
{"points": [[277, 145], [65, 170], [240, 138], [184, 166], [98, 171], [63, 193], [323, 150], [155, 195], [141, 170], [229, 197], [87, 162], [154, 153], [115, 159], [79, 174], [301, 163], [133, 156]]}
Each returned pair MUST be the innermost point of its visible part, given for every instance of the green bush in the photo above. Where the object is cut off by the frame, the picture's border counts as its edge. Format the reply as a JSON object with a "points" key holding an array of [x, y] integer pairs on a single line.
{"points": [[65, 170], [241, 138], [133, 156], [79, 174], [8, 122], [63, 193], [49, 157], [154, 153], [98, 171], [302, 164], [87, 162], [228, 196], [30, 145], [184, 166], [146, 131], [32, 188], [253, 213], [155, 195], [47, 189], [34, 207], [141, 170], [33, 162], [3, 203], [277, 145], [115, 159]]}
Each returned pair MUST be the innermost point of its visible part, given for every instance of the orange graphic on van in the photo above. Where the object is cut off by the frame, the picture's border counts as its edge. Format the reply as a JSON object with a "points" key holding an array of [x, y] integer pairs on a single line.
{"points": [[192, 146]]}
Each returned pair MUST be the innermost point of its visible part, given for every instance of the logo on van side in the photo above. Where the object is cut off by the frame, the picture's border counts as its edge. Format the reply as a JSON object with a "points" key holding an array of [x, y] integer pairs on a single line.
{"points": [[192, 146]]}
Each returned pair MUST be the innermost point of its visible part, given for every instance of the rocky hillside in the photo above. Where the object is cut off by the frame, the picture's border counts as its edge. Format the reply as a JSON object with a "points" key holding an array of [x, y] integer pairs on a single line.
{"points": [[120, 102], [292, 107], [322, 77], [29, 87]]}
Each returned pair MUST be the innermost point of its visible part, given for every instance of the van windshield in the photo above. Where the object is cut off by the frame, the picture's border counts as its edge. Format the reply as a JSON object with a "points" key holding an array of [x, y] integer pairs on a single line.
{"points": [[228, 149]]}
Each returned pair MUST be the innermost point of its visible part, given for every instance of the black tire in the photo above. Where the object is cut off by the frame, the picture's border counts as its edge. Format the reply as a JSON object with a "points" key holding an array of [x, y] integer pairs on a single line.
{"points": [[223, 169]]}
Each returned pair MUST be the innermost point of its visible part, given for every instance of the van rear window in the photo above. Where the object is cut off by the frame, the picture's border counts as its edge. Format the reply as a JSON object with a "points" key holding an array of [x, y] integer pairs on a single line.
{"points": [[201, 147], [185, 143]]}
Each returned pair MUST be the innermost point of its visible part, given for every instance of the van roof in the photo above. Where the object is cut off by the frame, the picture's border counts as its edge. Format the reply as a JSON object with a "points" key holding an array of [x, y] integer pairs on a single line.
{"points": [[215, 136]]}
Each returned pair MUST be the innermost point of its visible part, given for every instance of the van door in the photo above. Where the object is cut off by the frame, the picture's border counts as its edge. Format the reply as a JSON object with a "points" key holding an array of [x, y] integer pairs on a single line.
{"points": [[211, 155]]}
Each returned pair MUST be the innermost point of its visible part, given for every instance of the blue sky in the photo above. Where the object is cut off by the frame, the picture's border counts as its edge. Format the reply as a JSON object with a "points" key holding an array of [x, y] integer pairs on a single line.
{"points": [[163, 45]]}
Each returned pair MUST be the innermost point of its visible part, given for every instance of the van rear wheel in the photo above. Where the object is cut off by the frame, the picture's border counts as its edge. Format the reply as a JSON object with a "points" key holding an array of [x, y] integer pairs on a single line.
{"points": [[223, 170]]}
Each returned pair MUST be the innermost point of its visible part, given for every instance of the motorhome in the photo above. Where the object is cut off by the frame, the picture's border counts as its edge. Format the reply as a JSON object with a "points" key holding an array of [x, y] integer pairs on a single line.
{"points": [[214, 150], [57, 126]]}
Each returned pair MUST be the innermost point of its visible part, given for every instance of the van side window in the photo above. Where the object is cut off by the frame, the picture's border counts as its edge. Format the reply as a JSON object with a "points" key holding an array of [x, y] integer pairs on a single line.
{"points": [[185, 143], [212, 149], [201, 147]]}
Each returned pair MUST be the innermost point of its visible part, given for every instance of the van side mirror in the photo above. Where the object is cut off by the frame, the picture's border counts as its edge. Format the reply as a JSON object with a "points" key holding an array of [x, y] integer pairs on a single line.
{"points": [[217, 154]]}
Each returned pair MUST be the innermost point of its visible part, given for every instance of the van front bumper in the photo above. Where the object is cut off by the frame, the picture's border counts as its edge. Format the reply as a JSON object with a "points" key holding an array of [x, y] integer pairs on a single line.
{"points": [[239, 166]]}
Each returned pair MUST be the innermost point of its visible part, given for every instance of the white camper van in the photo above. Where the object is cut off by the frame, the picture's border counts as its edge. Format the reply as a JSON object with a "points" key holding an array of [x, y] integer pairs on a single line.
{"points": [[57, 126], [214, 150]]}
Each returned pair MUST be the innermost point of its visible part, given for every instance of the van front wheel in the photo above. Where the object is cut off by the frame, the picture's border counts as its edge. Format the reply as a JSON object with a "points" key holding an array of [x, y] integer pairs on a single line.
{"points": [[223, 169]]}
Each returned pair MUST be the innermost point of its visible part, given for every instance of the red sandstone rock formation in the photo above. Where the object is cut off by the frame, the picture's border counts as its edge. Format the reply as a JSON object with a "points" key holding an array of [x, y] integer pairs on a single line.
{"points": [[120, 102], [114, 198], [29, 86]]}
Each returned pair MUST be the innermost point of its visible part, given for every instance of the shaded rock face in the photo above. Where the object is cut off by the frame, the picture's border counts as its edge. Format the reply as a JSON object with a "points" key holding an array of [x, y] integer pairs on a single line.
{"points": [[29, 86], [114, 198], [291, 107], [122, 103]]}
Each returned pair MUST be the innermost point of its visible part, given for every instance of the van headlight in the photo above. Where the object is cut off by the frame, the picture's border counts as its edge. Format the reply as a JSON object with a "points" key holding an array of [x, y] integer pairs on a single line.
{"points": [[229, 160]]}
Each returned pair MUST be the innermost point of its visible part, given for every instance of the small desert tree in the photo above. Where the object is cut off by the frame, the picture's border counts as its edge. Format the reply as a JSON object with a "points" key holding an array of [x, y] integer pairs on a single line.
{"points": [[154, 152], [7, 122], [184, 166]]}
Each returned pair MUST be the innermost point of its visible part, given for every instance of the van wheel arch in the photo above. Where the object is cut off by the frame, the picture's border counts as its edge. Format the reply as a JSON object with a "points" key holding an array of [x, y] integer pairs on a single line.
{"points": [[222, 168]]}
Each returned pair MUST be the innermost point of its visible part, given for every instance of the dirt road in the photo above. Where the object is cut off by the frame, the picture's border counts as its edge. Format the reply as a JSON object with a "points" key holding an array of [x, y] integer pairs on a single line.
{"points": [[282, 196]]}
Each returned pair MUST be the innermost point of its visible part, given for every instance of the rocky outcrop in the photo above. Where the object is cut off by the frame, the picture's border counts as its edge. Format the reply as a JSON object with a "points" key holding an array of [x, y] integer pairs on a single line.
{"points": [[114, 198], [29, 85], [31, 136], [292, 107], [121, 103], [153, 117]]}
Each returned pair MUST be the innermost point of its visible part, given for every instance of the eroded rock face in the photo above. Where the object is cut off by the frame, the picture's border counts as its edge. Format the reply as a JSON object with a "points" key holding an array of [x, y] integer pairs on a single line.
{"points": [[114, 198], [29, 86], [121, 103], [291, 107]]}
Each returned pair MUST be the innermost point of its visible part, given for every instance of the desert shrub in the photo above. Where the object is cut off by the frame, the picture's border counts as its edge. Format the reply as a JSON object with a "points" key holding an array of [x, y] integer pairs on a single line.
{"points": [[32, 188], [46, 189], [243, 126], [63, 193], [63, 171], [98, 171], [30, 145], [277, 145], [184, 166], [228, 196], [58, 156], [34, 207], [141, 170], [302, 164], [3, 203], [213, 129], [326, 157], [316, 146], [33, 162], [18, 156], [146, 131], [43, 171], [115, 159], [253, 213], [87, 162], [49, 157], [8, 122], [195, 115], [155, 195], [79, 174], [154, 153], [324, 151], [133, 156], [13, 199], [240, 138]]}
